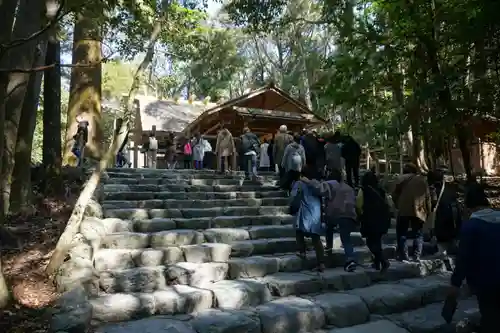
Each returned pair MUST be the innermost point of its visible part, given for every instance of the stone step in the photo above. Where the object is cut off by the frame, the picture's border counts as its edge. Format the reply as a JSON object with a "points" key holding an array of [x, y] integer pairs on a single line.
{"points": [[144, 213], [187, 188], [193, 181], [117, 172], [198, 204], [270, 239], [331, 296], [158, 172], [163, 224], [145, 195], [241, 264], [428, 318]]}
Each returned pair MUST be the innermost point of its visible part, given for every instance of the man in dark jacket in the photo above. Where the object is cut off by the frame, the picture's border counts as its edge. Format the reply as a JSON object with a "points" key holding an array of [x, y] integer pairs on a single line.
{"points": [[250, 145], [351, 151], [314, 155], [478, 258]]}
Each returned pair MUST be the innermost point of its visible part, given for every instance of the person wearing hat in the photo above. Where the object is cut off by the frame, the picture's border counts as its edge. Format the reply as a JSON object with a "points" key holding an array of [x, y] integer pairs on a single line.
{"points": [[281, 141], [412, 199]]}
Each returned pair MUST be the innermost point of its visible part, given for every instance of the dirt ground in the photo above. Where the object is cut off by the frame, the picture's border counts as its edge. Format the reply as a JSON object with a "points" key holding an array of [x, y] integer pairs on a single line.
{"points": [[24, 263]]}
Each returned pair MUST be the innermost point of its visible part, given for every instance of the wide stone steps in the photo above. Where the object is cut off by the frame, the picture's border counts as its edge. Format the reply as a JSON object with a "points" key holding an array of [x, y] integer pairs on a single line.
{"points": [[395, 291], [209, 181], [144, 213], [184, 203], [201, 252], [188, 188], [145, 195]]}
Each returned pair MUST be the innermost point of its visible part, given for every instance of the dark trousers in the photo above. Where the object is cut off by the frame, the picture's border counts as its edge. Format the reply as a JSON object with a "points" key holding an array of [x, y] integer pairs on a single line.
{"points": [[489, 307], [352, 171], [374, 244], [403, 224], [289, 178], [316, 241], [187, 162], [281, 174]]}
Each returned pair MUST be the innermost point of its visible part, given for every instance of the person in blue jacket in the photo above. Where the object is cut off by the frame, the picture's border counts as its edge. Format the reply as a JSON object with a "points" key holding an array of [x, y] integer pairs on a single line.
{"points": [[478, 258]]}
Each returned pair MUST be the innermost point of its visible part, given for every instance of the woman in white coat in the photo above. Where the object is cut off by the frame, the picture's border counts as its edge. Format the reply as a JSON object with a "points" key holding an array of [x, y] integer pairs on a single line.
{"points": [[200, 147], [265, 162]]}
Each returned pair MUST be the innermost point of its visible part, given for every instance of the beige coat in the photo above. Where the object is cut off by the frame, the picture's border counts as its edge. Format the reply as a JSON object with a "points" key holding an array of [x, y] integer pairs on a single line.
{"points": [[225, 143], [281, 140], [412, 197]]}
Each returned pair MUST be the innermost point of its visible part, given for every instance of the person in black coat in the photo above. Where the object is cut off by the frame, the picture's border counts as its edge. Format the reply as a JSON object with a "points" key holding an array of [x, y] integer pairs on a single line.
{"points": [[374, 213], [351, 152]]}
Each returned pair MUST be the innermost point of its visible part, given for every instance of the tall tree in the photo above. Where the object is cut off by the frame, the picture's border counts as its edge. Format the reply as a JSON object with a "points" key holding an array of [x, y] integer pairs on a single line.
{"points": [[85, 84], [28, 22], [52, 152], [20, 199]]}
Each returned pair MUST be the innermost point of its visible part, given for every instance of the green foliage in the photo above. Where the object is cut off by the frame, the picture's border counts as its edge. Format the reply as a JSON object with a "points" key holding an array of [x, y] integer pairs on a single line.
{"points": [[117, 78]]}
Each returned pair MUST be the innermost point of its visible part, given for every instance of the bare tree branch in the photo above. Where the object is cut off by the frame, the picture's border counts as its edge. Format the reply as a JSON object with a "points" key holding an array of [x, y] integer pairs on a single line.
{"points": [[45, 67], [57, 17]]}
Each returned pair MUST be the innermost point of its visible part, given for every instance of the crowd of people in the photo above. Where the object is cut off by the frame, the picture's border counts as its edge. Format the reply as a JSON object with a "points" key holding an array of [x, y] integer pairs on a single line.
{"points": [[321, 175]]}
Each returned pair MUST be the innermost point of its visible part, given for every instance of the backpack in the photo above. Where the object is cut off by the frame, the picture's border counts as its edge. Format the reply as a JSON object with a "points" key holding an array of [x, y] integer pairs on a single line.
{"points": [[247, 144], [340, 204], [153, 143], [296, 161], [375, 203]]}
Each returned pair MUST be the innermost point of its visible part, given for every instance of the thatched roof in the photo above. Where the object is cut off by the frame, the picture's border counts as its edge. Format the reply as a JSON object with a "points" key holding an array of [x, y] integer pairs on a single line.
{"points": [[168, 115], [269, 106]]}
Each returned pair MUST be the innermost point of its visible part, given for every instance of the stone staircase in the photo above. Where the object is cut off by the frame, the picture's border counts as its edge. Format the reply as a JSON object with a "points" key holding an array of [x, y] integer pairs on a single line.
{"points": [[193, 251]]}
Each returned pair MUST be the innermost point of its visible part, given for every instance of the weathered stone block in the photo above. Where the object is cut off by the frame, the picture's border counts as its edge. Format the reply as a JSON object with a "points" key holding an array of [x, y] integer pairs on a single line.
{"points": [[154, 225], [226, 235], [182, 299], [196, 275], [127, 213], [120, 307], [206, 252], [72, 312], [142, 279], [126, 240], [237, 294], [290, 314], [272, 231], [149, 325], [176, 238], [343, 310], [228, 321], [255, 266], [158, 257], [74, 273], [112, 259], [386, 298], [285, 284]]}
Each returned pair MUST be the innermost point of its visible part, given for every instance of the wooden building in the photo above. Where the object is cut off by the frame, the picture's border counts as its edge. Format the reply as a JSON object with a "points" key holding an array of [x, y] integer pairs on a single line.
{"points": [[163, 117], [263, 110]]}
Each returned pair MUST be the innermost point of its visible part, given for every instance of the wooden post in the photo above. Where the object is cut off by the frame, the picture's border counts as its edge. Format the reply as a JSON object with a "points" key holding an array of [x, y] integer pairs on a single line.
{"points": [[401, 152], [367, 157], [153, 130]]}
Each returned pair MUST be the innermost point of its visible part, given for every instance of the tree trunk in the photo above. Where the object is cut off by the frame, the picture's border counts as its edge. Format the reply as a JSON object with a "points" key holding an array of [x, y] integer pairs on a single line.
{"points": [[20, 198], [28, 21], [7, 14], [52, 151], [64, 243], [85, 86]]}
